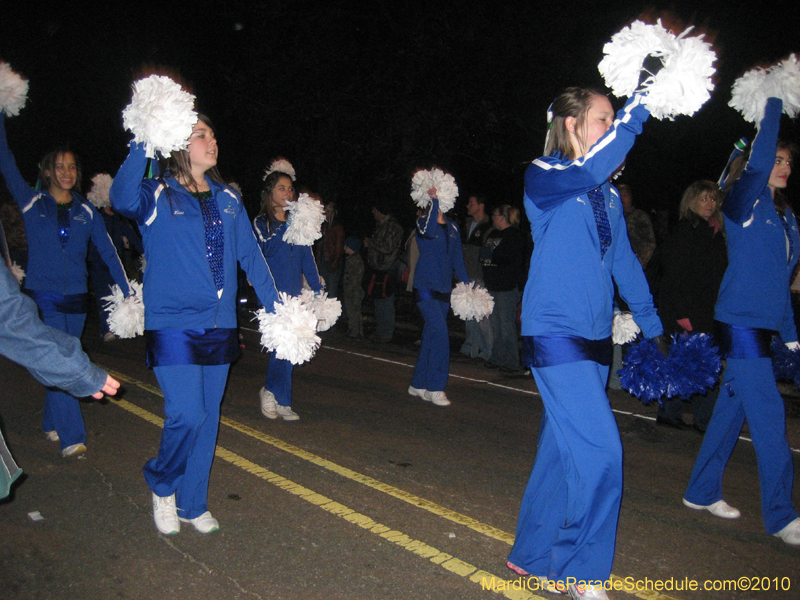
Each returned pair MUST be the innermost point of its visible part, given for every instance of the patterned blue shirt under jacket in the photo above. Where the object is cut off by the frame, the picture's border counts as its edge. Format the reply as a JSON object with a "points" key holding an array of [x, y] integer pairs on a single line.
{"points": [[570, 286], [179, 288]]}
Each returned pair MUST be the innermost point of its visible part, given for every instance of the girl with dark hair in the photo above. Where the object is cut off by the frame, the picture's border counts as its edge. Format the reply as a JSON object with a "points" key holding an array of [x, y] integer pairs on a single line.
{"points": [[195, 229], [754, 302], [59, 224], [693, 260], [568, 519], [288, 263]]}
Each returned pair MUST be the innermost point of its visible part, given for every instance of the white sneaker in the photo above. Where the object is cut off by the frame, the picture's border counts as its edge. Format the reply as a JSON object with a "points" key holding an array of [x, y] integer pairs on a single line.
{"points": [[286, 413], [52, 436], [74, 450], [165, 514], [205, 523], [412, 391], [720, 508], [438, 398], [587, 592], [269, 406], [791, 533]]}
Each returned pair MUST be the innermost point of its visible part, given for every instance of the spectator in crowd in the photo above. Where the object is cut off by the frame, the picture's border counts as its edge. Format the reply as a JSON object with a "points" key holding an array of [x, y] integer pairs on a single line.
{"points": [[383, 248], [478, 341], [640, 227], [503, 258], [693, 260], [329, 251], [352, 287]]}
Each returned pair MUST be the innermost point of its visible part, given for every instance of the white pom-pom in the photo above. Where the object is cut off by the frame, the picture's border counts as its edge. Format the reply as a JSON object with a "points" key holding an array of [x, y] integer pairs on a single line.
{"points": [[161, 115], [470, 301], [445, 184], [290, 331], [142, 263], [304, 225], [13, 91], [327, 310], [751, 91], [125, 315], [98, 195], [681, 87], [18, 272], [282, 165], [624, 329], [235, 187]]}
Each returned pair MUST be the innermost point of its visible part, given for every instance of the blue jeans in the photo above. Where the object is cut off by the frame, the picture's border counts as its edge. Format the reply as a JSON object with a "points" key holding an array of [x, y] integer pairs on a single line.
{"points": [[503, 321], [384, 316]]}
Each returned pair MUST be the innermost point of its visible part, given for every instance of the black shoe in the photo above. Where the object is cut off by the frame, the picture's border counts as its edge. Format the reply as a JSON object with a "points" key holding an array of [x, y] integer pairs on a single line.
{"points": [[490, 365], [674, 423], [698, 429]]}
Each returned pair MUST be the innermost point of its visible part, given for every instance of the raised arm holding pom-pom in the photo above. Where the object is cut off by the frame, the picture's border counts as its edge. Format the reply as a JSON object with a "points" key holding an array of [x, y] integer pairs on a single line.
{"points": [[194, 230]]}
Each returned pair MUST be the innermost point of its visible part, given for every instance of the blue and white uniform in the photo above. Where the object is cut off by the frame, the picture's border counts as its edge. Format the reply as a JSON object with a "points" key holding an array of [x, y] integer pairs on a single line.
{"points": [[58, 241], [754, 302], [568, 519], [440, 255], [288, 263], [189, 289]]}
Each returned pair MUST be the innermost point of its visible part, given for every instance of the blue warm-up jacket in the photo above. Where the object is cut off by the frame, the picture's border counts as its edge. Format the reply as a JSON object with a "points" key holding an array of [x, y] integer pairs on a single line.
{"points": [[570, 288], [755, 289], [52, 268], [288, 262], [179, 290], [440, 253]]}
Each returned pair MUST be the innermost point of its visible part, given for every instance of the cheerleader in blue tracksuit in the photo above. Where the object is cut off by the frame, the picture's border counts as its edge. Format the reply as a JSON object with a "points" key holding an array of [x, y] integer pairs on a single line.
{"points": [[568, 519], [440, 256], [59, 224], [754, 302], [288, 263], [194, 230]]}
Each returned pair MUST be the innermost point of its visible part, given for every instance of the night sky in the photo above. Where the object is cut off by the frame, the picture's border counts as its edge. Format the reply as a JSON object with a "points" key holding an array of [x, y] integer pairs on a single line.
{"points": [[357, 96]]}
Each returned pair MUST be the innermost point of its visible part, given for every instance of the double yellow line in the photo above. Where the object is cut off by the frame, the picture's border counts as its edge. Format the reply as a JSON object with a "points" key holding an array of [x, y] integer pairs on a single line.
{"points": [[417, 547]]}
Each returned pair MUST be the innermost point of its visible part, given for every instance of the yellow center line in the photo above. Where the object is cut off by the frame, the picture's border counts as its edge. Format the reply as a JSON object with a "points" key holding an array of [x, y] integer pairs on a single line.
{"points": [[447, 561], [512, 589]]}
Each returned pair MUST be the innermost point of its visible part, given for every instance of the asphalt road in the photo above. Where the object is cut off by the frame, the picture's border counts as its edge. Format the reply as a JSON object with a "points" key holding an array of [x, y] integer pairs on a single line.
{"points": [[372, 494]]}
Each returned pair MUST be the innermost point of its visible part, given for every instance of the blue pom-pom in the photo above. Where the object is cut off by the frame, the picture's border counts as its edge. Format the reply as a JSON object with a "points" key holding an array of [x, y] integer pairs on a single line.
{"points": [[785, 362], [645, 372], [693, 367], [695, 363]]}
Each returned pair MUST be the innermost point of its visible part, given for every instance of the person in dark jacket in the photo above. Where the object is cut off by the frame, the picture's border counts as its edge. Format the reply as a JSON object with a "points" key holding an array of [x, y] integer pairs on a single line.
{"points": [[503, 257], [693, 262], [478, 334]]}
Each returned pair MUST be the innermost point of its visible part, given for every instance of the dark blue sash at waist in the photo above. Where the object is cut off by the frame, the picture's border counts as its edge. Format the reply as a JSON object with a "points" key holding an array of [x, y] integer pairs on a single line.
{"points": [[552, 350], [420, 295], [736, 341], [169, 347], [71, 304]]}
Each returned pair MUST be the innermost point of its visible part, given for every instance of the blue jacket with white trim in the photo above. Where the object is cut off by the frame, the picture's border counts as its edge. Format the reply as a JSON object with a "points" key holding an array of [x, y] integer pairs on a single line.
{"points": [[179, 290], [570, 288], [52, 268], [440, 253], [755, 289], [288, 262]]}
